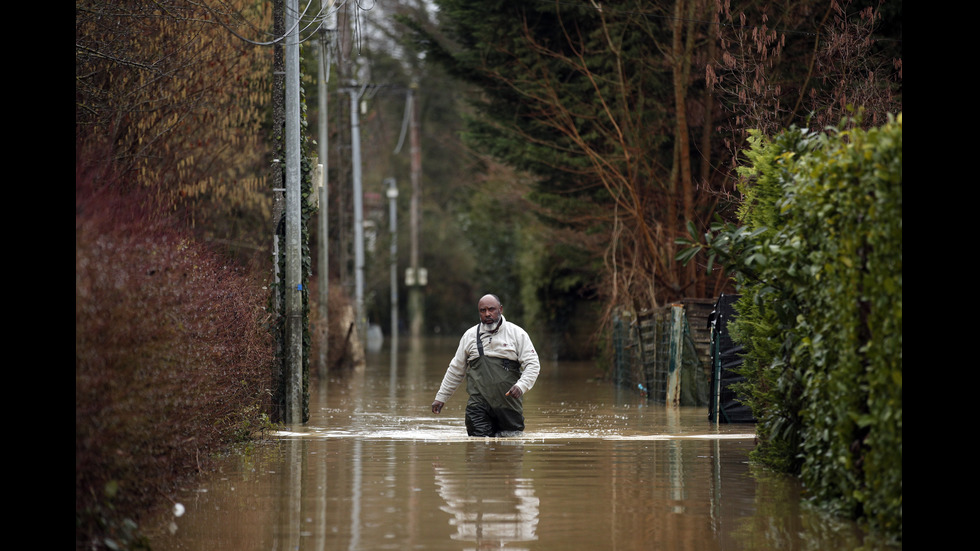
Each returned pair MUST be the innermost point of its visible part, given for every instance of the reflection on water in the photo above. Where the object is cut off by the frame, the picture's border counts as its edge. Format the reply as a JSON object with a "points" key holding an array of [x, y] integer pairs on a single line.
{"points": [[598, 468], [491, 502]]}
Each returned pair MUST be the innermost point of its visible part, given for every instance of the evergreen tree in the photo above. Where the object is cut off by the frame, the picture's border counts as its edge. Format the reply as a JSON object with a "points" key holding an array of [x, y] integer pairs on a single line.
{"points": [[587, 101]]}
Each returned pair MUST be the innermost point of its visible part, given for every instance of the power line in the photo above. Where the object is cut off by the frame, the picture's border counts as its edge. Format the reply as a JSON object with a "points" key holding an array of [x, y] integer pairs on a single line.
{"points": [[319, 19]]}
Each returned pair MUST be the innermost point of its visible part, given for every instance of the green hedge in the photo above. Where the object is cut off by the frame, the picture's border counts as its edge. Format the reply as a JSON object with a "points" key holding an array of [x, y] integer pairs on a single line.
{"points": [[818, 262]]}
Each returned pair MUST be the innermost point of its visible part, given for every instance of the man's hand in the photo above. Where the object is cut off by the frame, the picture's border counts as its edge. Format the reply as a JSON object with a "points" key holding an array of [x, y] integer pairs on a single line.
{"points": [[437, 406], [515, 391]]}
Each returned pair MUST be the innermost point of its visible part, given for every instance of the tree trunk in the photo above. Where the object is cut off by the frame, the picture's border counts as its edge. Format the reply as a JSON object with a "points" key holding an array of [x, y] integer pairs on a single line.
{"points": [[706, 133], [683, 11]]}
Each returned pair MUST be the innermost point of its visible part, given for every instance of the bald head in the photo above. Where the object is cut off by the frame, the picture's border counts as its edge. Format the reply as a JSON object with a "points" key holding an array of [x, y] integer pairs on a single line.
{"points": [[490, 309]]}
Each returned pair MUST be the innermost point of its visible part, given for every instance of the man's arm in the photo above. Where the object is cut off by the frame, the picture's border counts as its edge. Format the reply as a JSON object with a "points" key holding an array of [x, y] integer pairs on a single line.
{"points": [[454, 376]]}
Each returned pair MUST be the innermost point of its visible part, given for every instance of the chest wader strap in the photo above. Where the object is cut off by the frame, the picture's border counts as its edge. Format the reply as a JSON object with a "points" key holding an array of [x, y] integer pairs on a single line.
{"points": [[479, 342], [509, 365]]}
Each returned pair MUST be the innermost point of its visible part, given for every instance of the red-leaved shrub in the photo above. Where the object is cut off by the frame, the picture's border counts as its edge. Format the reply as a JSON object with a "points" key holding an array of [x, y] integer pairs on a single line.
{"points": [[172, 356]]}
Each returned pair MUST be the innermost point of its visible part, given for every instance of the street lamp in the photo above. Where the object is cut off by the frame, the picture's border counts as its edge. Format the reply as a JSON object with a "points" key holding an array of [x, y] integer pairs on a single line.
{"points": [[392, 193]]}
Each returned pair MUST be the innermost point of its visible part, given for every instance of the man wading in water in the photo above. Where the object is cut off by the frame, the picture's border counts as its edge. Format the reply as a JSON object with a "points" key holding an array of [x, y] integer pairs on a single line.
{"points": [[500, 364]]}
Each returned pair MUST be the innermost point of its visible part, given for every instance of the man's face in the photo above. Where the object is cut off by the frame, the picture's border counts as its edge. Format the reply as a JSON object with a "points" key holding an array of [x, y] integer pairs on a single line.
{"points": [[490, 310]]}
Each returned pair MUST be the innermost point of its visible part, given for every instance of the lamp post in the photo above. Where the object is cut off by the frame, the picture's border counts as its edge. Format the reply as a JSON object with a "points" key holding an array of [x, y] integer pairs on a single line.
{"points": [[392, 193]]}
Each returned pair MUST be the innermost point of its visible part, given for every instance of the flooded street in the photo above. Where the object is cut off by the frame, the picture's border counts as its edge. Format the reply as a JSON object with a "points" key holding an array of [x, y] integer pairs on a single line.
{"points": [[597, 469]]}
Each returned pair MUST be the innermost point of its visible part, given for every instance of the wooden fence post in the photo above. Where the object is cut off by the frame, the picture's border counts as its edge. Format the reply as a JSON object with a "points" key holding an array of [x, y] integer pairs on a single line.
{"points": [[673, 398]]}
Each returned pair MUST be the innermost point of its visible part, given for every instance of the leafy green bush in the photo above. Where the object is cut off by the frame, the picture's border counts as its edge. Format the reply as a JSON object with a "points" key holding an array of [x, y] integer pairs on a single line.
{"points": [[818, 262]]}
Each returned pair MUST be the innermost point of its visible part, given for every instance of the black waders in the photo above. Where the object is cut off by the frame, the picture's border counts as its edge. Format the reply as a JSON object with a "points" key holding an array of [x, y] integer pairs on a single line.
{"points": [[489, 411]]}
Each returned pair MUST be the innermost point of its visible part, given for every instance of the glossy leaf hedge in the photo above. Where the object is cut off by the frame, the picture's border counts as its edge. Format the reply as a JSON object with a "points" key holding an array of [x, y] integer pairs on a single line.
{"points": [[818, 264]]}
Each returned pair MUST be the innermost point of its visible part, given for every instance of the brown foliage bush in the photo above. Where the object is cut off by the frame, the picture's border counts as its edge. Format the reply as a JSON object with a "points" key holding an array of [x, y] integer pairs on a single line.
{"points": [[172, 359], [180, 104]]}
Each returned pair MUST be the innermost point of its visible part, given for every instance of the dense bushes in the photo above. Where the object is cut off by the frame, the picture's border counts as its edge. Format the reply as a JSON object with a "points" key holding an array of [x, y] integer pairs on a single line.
{"points": [[172, 361], [818, 262]]}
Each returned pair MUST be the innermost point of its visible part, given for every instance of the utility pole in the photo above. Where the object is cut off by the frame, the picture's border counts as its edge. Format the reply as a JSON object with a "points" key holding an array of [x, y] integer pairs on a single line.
{"points": [[293, 250], [417, 275], [278, 191], [278, 118], [323, 236], [355, 129]]}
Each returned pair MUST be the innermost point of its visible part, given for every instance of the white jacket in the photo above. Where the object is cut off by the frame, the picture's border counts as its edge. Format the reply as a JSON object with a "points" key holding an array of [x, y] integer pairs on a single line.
{"points": [[509, 342]]}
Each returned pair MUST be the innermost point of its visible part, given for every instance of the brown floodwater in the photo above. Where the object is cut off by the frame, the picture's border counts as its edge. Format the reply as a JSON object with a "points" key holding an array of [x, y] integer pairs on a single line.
{"points": [[598, 468]]}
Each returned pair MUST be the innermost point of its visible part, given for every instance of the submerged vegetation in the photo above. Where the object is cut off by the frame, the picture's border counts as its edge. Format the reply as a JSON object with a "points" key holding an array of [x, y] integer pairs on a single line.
{"points": [[817, 259], [172, 358], [172, 354]]}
